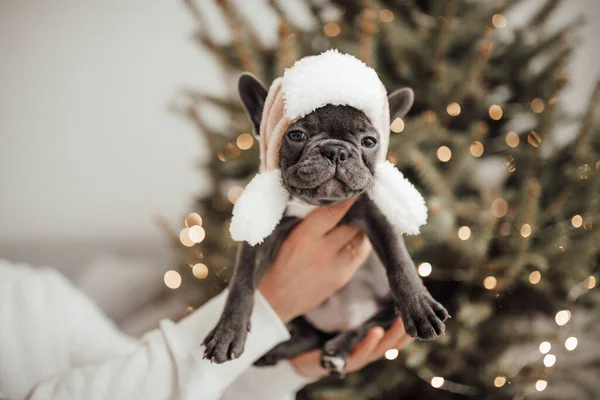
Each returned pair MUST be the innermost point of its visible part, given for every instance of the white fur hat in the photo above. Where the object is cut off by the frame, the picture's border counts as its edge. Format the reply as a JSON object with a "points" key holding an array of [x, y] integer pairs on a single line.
{"points": [[311, 83]]}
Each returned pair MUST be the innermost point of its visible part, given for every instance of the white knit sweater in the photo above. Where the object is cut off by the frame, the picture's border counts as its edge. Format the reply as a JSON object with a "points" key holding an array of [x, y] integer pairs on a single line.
{"points": [[56, 344]]}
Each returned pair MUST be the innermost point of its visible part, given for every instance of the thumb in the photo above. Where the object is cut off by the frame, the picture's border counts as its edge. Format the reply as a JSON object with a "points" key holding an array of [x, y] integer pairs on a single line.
{"points": [[323, 219]]}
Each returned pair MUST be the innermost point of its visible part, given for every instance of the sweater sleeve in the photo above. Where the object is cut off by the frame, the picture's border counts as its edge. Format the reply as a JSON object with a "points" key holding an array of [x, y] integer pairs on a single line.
{"points": [[166, 364]]}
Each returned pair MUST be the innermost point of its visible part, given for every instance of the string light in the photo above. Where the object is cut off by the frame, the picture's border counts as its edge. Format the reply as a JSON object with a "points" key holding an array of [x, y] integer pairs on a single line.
{"points": [[444, 153], [425, 269], [577, 221], [476, 149], [534, 139], [464, 233], [244, 141], [499, 381], [591, 282], [499, 207], [429, 117], [234, 193], [571, 343], [549, 360], [193, 219], [584, 171], [541, 385], [537, 105], [331, 29], [552, 100], [499, 21], [512, 139], [392, 354], [525, 230], [172, 279], [510, 164], [200, 271], [397, 125], [535, 277], [490, 282], [437, 381], [495, 112], [386, 15], [196, 233], [453, 109], [221, 157], [562, 317], [184, 237], [545, 347]]}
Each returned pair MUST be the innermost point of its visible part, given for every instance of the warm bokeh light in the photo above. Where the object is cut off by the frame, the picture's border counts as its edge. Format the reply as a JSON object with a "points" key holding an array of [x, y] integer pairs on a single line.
{"points": [[234, 193], [184, 237], [549, 360], [490, 282], [196, 233], [571, 343], [429, 117], [386, 15], [397, 125], [392, 354], [172, 279], [562, 317], [495, 112], [535, 277], [476, 149], [584, 171], [537, 105], [464, 233], [244, 141], [545, 347], [591, 282], [541, 385], [331, 29], [577, 221], [444, 153], [526, 230], [534, 139], [200, 271], [499, 207], [425, 269], [499, 21], [510, 164], [512, 139], [193, 219], [499, 381], [437, 381], [453, 109]]}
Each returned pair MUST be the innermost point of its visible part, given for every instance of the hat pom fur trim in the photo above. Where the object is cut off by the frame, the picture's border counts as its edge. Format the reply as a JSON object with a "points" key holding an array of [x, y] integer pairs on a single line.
{"points": [[259, 208], [398, 200]]}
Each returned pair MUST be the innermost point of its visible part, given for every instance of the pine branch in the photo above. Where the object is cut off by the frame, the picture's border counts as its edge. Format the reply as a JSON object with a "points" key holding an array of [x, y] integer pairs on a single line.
{"points": [[583, 139]]}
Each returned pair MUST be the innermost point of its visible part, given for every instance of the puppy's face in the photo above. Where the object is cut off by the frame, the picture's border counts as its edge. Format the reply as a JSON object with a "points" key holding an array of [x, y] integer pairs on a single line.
{"points": [[329, 155]]}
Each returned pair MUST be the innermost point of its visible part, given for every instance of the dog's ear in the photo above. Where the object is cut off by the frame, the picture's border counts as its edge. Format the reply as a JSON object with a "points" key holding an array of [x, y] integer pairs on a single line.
{"points": [[400, 102], [253, 95]]}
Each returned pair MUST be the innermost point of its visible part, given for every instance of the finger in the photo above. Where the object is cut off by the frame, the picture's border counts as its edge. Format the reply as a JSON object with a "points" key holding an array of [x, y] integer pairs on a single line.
{"points": [[404, 342], [361, 354], [355, 252], [391, 338], [340, 236], [322, 220]]}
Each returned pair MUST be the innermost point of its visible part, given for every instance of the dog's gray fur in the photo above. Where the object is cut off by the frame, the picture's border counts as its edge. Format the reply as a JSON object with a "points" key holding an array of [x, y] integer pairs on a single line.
{"points": [[331, 165]]}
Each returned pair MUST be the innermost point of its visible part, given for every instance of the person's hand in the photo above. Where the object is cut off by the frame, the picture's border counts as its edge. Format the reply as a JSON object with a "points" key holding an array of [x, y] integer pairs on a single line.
{"points": [[315, 261], [370, 349]]}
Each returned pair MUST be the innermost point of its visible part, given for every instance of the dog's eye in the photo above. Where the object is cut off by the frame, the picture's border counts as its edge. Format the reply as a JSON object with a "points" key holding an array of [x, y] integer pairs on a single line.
{"points": [[369, 142], [297, 136]]}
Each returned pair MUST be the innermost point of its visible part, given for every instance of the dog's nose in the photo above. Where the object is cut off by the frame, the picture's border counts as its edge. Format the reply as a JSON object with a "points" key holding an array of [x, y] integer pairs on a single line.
{"points": [[335, 154]]}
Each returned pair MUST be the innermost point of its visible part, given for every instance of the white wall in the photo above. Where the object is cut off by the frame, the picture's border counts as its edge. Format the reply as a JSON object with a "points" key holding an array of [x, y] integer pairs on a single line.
{"points": [[88, 152]]}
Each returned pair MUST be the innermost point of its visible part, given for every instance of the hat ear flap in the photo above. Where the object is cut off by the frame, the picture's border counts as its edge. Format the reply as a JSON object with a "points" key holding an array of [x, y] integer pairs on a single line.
{"points": [[259, 208], [397, 199]]}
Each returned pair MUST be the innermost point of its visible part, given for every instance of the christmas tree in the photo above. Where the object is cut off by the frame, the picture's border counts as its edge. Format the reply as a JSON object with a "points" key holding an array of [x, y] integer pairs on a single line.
{"points": [[513, 238]]}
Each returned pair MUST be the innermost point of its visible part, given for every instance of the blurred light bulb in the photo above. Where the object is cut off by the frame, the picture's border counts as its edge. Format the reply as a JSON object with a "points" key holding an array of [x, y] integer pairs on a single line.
{"points": [[535, 277], [444, 154], [537, 105], [184, 237], [234, 193], [244, 141], [499, 207], [545, 347], [193, 219], [386, 15], [591, 282], [549, 360], [499, 381], [534, 139], [437, 381], [541, 385], [464, 233], [490, 282], [526, 230], [200, 271], [172, 279], [476, 149], [196, 233], [397, 125], [571, 343], [562, 317], [495, 112], [577, 221], [331, 29], [512, 139], [499, 21], [391, 354], [425, 269], [453, 109]]}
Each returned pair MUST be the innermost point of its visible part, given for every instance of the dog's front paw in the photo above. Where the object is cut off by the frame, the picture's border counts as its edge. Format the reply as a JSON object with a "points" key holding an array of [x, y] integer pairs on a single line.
{"points": [[334, 363], [226, 341], [423, 317]]}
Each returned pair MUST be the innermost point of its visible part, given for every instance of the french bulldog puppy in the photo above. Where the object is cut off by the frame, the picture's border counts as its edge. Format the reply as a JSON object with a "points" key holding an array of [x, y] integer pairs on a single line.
{"points": [[327, 157]]}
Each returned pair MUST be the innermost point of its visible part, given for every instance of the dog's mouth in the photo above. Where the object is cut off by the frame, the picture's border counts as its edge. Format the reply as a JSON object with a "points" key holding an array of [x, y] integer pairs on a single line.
{"points": [[326, 193]]}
